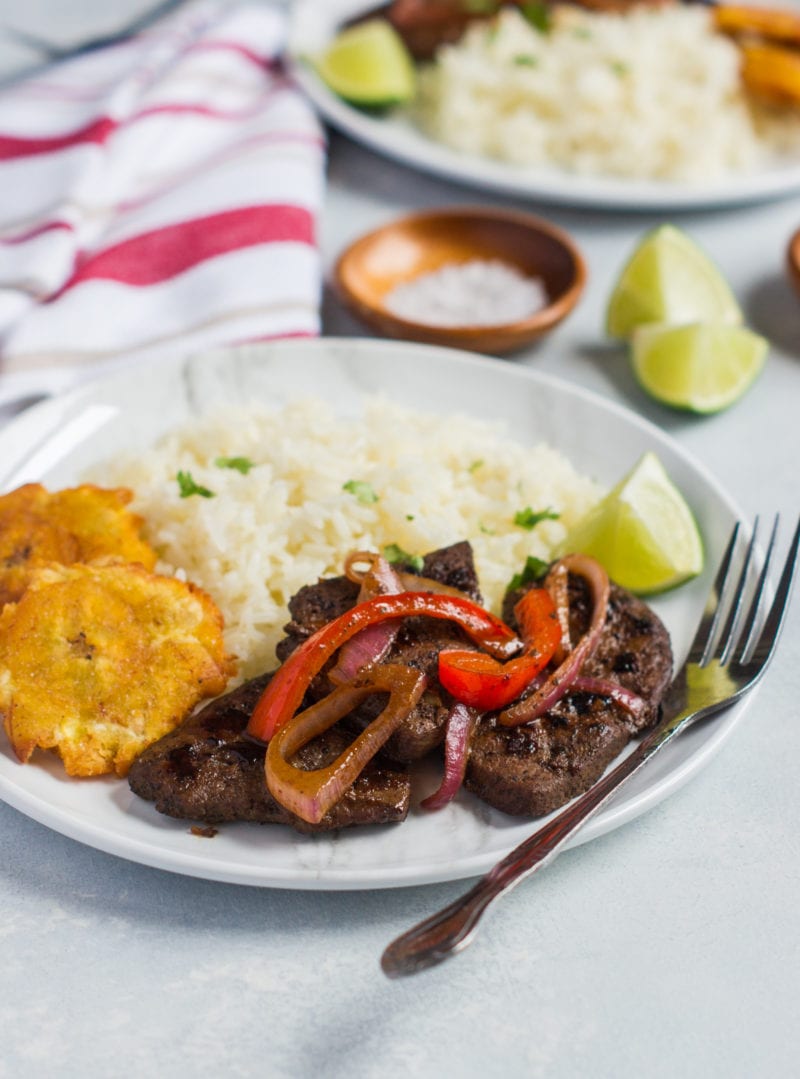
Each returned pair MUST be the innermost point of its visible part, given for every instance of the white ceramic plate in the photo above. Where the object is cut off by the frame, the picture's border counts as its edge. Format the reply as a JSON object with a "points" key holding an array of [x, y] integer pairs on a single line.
{"points": [[56, 441], [315, 23]]}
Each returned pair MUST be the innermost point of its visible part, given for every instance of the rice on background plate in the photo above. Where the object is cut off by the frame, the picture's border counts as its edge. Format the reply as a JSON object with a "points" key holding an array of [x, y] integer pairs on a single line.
{"points": [[652, 93], [422, 481]]}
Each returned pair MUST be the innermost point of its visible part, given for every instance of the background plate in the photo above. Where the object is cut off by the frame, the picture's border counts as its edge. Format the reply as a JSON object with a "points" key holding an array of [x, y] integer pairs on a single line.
{"points": [[314, 24], [56, 441]]}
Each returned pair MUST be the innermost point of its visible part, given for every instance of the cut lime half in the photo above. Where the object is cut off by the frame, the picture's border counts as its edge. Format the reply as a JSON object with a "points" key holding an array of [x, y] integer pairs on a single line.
{"points": [[701, 367], [669, 279], [643, 532], [368, 65]]}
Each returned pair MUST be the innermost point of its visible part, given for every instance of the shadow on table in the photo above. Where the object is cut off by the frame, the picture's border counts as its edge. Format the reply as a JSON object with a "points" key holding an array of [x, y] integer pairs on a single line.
{"points": [[773, 310], [88, 882]]}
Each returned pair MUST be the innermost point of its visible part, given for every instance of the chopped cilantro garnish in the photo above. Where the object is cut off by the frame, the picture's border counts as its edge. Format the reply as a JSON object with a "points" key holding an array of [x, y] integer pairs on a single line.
{"points": [[479, 7], [525, 61], [362, 490], [188, 486], [240, 464], [619, 68], [533, 569], [409, 516], [394, 554], [476, 465], [538, 15], [529, 518]]}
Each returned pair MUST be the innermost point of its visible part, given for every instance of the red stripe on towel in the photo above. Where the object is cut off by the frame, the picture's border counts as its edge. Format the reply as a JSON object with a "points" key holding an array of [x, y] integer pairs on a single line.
{"points": [[95, 132], [159, 255], [36, 231], [235, 47], [98, 131]]}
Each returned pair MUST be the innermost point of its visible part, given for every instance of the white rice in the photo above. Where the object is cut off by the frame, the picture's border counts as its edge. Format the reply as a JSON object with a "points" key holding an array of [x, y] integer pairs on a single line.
{"points": [[654, 93], [289, 520]]}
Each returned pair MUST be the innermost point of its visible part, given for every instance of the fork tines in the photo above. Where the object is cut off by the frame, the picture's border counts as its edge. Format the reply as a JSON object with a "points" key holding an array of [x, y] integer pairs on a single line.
{"points": [[746, 636]]}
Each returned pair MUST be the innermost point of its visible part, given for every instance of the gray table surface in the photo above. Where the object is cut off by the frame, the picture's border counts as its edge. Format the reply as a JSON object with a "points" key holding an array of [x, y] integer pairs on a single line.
{"points": [[669, 947]]}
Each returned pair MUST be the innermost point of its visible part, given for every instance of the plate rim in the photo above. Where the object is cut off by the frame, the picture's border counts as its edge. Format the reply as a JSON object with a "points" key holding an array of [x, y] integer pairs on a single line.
{"points": [[559, 188], [190, 863]]}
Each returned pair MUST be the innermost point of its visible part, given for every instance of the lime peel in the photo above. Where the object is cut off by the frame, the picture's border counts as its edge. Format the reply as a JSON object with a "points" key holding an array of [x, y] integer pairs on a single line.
{"points": [[643, 532]]}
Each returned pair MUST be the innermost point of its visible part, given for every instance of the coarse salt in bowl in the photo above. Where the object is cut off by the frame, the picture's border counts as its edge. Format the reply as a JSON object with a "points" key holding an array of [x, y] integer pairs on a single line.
{"points": [[483, 279], [481, 292]]}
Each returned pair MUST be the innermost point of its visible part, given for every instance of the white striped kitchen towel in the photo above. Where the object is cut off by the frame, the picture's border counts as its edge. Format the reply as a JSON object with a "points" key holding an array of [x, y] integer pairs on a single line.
{"points": [[159, 195]]}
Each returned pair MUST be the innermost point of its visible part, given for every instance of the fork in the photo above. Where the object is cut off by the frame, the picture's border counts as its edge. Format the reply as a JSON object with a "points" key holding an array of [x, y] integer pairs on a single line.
{"points": [[727, 657]]}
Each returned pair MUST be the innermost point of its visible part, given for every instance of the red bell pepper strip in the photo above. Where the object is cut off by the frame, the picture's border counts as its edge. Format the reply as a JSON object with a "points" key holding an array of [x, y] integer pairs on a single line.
{"points": [[284, 694], [536, 615], [481, 682]]}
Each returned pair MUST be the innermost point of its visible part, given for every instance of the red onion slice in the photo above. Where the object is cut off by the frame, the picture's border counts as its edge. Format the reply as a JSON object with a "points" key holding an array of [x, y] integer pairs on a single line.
{"points": [[414, 583], [378, 578], [604, 687], [562, 678], [372, 644], [367, 648], [461, 722], [378, 567]]}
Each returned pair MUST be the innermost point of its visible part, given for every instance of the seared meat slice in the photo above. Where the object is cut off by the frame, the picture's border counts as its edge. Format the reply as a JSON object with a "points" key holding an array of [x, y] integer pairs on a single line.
{"points": [[455, 567], [531, 770], [535, 768], [208, 770], [425, 25], [317, 604], [313, 607], [418, 645]]}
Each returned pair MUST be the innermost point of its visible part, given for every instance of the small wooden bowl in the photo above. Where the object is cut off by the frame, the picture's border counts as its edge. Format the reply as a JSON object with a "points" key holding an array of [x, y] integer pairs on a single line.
{"points": [[793, 260], [422, 243]]}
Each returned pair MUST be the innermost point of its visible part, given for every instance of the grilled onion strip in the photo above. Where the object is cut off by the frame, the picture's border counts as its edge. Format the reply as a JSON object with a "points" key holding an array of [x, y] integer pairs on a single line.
{"points": [[310, 794]]}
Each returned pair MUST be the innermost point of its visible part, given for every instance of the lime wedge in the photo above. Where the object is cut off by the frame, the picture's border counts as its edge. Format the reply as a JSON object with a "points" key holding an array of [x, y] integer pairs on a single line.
{"points": [[369, 64], [642, 531], [703, 367], [669, 279]]}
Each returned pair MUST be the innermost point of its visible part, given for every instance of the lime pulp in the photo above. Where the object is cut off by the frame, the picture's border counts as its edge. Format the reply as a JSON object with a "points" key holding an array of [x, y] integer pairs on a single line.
{"points": [[669, 279], [643, 532], [368, 64], [702, 367]]}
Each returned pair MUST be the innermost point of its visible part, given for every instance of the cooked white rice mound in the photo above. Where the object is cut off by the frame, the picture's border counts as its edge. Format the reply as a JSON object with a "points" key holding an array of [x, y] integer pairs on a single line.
{"points": [[654, 93], [290, 520]]}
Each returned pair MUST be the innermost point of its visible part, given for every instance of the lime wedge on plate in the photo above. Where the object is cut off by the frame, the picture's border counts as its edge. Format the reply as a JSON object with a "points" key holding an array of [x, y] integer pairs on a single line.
{"points": [[703, 367], [669, 279], [368, 64], [643, 532]]}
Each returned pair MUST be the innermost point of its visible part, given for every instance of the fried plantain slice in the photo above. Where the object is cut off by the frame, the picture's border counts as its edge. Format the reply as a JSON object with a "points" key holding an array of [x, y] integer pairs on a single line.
{"points": [[772, 73], [78, 524], [751, 21], [99, 660]]}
